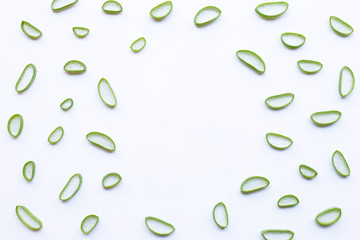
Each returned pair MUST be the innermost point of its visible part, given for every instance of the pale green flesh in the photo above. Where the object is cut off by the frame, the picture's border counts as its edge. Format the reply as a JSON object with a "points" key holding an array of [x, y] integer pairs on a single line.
{"points": [[278, 141], [29, 170], [89, 223], [106, 93], [58, 5], [158, 226], [280, 101], [56, 135], [347, 81], [207, 15], [329, 216], [252, 60], [162, 10], [30, 30], [80, 32], [340, 26], [71, 188], [27, 218], [293, 40], [138, 44], [307, 172], [26, 78], [288, 201], [15, 125], [277, 234], [67, 104], [325, 118], [310, 66], [340, 164], [220, 215], [101, 140], [271, 9], [74, 67], [111, 180], [112, 7], [253, 184]]}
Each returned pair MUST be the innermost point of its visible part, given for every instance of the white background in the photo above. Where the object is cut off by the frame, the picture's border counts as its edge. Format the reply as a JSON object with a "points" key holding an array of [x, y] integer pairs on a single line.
{"points": [[190, 122]]}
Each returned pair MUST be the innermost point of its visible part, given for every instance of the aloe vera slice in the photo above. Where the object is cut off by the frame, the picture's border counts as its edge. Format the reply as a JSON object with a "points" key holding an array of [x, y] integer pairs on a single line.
{"points": [[252, 60], [71, 187], [271, 10], [162, 10], [310, 66], [106, 93], [26, 79], [307, 172], [15, 125], [30, 30], [206, 15], [292, 40], [67, 104], [326, 118], [89, 223], [59, 5], [158, 226], [74, 67], [138, 44], [28, 218], [340, 164], [279, 101], [276, 234], [220, 215], [29, 171], [328, 216], [255, 183], [278, 141], [288, 201], [340, 27], [110, 180], [56, 135], [112, 7], [346, 82], [81, 32], [101, 140]]}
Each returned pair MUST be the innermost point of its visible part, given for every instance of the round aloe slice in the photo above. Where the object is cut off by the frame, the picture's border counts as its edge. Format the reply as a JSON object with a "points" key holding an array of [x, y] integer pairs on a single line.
{"points": [[279, 101], [252, 60], [81, 32], [26, 79], [271, 10], [138, 44], [340, 164], [59, 5], [288, 201], [252, 184], [27, 218], [67, 104], [162, 10], [89, 223], [328, 216], [307, 172], [30, 30], [346, 82], [56, 135], [74, 67], [206, 15], [220, 215], [112, 7], [310, 66], [278, 141], [15, 125], [110, 180], [71, 187], [29, 171], [326, 118], [275, 234], [158, 226], [101, 140], [340, 27], [106, 93], [292, 40]]}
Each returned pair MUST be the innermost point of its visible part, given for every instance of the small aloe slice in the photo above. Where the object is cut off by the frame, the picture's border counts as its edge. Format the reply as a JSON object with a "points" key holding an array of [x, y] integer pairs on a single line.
{"points": [[101, 140], [15, 125], [346, 82], [292, 40], [158, 226], [307, 172], [252, 184], [288, 201], [278, 141], [138, 44], [206, 15], [29, 171], [276, 234], [220, 215], [252, 60], [27, 218], [81, 32], [67, 104], [340, 164], [56, 135], [112, 7], [162, 10], [30, 30], [89, 223], [328, 216], [26, 79], [110, 180], [71, 187], [271, 10], [106, 93], [74, 67], [341, 27], [326, 118], [310, 66], [59, 5], [279, 101]]}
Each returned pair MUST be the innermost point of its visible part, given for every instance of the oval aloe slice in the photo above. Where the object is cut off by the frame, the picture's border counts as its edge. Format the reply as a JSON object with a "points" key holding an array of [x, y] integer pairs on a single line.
{"points": [[340, 164], [340, 27], [220, 215], [101, 140], [288, 201], [112, 7], [30, 30], [162, 10], [26, 79], [71, 187], [89, 223], [67, 104], [29, 171], [278, 141], [252, 60], [111, 180], [292, 40], [27, 218], [158, 226], [253, 184], [15, 125], [138, 44], [56, 135], [328, 216], [106, 93], [206, 15], [81, 32], [310, 66], [326, 118], [59, 5], [276, 234], [271, 10], [74, 67], [307, 172], [346, 82], [279, 101]]}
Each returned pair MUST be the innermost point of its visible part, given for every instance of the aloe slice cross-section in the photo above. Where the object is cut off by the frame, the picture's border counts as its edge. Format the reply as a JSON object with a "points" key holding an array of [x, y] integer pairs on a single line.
{"points": [[106, 93], [89, 223], [67, 104], [206, 15], [74, 67], [310, 66], [255, 183], [292, 40], [71, 187], [101, 140], [278, 141], [220, 215], [277, 234], [59, 5], [346, 82], [271, 10], [112, 7], [56, 135], [307, 172], [28, 218], [252, 60], [279, 101], [26, 79], [162, 10], [15, 125], [110, 180], [158, 226], [326, 118], [138, 44], [340, 27], [288, 201], [30, 30], [328, 216], [29, 171], [81, 32], [340, 164]]}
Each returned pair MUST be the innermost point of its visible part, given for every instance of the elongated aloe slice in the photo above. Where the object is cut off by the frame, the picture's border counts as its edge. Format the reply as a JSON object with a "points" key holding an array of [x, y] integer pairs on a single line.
{"points": [[26, 79], [310, 66], [106, 93], [59, 5], [271, 10], [307, 172], [346, 82], [276, 234], [67, 104], [278, 141], [279, 101], [220, 215], [288, 201], [89, 223], [112, 7], [138, 44], [252, 184], [15, 125], [206, 15], [158, 226], [110, 180], [162, 10], [328, 216], [75, 67], [292, 40], [81, 32], [101, 140], [30, 30], [71, 187], [56, 135], [27, 218], [252, 60], [326, 118], [340, 164], [340, 26], [29, 171]]}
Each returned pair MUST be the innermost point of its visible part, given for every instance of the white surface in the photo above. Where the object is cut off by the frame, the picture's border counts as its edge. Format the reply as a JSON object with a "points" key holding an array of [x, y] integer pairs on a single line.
{"points": [[190, 122]]}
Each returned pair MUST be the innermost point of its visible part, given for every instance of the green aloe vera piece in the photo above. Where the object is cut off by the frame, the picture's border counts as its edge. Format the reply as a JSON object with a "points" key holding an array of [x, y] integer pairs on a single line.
{"points": [[328, 216], [71, 187], [112, 7], [346, 82], [59, 5], [307, 172], [326, 118], [277, 234], [110, 180], [310, 66], [279, 101], [292, 40], [162, 10], [252, 60], [253, 184], [81, 32], [106, 93], [26, 78], [159, 226], [101, 140], [206, 15], [29, 171], [288, 201], [340, 27], [138, 44], [278, 141], [30, 30], [15, 125], [67, 104], [89, 223], [220, 215], [28, 218], [271, 10], [340, 164], [56, 135], [74, 67]]}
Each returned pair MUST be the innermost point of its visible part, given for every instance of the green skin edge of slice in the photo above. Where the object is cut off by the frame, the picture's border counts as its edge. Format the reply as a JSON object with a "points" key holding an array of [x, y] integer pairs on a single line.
{"points": [[30, 36], [77, 189], [309, 169], [80, 28], [269, 17], [31, 81], [33, 166], [281, 95], [340, 81], [277, 231], [75, 71], [255, 189], [293, 46], [211, 20], [310, 61], [290, 205], [31, 215], [68, 99], [112, 93], [160, 5], [111, 12], [279, 135], [346, 24], [113, 185], [324, 112], [21, 125], [62, 134], [100, 146], [346, 164], [325, 211], [226, 213], [62, 8], [84, 220], [248, 64], [161, 221], [138, 50]]}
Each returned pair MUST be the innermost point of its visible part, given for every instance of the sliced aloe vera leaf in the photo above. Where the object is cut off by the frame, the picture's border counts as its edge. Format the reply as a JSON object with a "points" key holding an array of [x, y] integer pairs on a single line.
{"points": [[138, 44], [340, 27], [278, 141], [288, 201], [71, 187], [276, 234], [206, 15], [26, 78], [309, 66], [252, 60], [30, 30], [59, 5], [110, 180], [112, 7], [292, 40], [89, 223], [15, 125], [340, 164], [101, 140], [67, 104], [56, 135], [106, 93], [346, 82], [74, 67], [279, 101], [162, 10], [328, 216], [158, 226], [29, 171], [307, 172], [326, 118], [81, 32], [255, 183], [28, 218], [271, 10], [220, 215]]}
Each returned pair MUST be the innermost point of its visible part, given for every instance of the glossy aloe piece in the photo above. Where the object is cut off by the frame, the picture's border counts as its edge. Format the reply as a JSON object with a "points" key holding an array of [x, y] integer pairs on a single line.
{"points": [[138, 44], [106, 93], [101, 140], [26, 78], [288, 201], [340, 164], [15, 125], [278, 141], [276, 234], [252, 60], [74, 67], [110, 180], [220, 215], [158, 226], [56, 135], [328, 216], [307, 172], [59, 5], [89, 223], [81, 32], [271, 10], [67, 104], [310, 66], [112, 7], [340, 27], [346, 82], [30, 30], [206, 15], [292, 40], [28, 218], [29, 171], [162, 10], [71, 187], [279, 101], [326, 118], [255, 183]]}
